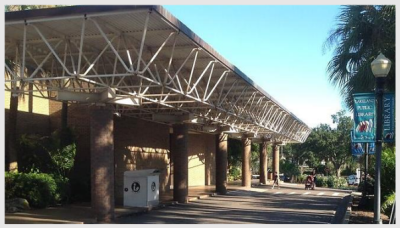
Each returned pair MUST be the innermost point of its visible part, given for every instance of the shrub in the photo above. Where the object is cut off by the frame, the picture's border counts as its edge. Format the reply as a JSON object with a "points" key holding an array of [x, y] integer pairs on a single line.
{"points": [[370, 186], [335, 182], [321, 181], [54, 154], [38, 188], [388, 172], [341, 182], [301, 178], [388, 204], [331, 182], [63, 192], [234, 174], [32, 158]]}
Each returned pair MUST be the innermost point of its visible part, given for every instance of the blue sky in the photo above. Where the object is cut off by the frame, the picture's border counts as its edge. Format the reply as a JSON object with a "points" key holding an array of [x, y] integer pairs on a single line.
{"points": [[279, 47]]}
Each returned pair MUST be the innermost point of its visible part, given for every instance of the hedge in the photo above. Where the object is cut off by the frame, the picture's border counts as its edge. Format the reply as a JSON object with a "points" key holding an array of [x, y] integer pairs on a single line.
{"points": [[39, 189], [323, 181]]}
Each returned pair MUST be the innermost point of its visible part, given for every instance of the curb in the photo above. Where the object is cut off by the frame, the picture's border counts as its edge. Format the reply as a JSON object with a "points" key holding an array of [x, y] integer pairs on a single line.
{"points": [[343, 211], [191, 199], [348, 211]]}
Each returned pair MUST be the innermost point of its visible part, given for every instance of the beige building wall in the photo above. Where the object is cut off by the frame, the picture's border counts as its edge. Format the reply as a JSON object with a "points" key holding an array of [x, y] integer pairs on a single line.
{"points": [[33, 113], [39, 105], [201, 159]]}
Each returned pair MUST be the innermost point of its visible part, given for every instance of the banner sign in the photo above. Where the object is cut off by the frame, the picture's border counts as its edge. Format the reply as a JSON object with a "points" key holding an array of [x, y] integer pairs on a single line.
{"points": [[371, 148], [364, 117], [388, 117], [357, 149]]}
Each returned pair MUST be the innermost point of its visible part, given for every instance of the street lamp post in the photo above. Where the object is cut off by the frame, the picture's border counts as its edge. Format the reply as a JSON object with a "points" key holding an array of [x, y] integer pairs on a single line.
{"points": [[380, 68]]}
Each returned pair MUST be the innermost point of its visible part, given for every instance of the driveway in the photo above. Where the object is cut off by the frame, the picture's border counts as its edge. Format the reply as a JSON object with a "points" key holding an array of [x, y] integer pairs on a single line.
{"points": [[290, 204]]}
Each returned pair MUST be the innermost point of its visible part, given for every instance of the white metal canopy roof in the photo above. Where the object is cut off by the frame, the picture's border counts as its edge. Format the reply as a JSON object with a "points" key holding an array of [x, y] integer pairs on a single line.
{"points": [[91, 53]]}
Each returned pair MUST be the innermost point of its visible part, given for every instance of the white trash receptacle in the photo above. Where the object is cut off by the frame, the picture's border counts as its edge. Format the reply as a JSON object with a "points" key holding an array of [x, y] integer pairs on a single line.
{"points": [[141, 188]]}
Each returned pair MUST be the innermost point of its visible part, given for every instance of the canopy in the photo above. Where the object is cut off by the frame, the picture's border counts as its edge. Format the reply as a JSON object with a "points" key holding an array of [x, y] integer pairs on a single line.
{"points": [[144, 62]]}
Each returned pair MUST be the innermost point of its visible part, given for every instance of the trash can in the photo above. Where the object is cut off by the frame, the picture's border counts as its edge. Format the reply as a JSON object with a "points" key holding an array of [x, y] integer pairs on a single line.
{"points": [[141, 188]]}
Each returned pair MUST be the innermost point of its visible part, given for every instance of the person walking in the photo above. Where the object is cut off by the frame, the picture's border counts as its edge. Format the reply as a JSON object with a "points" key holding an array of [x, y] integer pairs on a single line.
{"points": [[276, 180]]}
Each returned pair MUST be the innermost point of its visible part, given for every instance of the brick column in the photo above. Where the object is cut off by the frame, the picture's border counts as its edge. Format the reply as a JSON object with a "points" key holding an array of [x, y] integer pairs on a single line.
{"points": [[102, 162], [275, 160], [246, 173], [221, 160], [179, 151], [263, 163]]}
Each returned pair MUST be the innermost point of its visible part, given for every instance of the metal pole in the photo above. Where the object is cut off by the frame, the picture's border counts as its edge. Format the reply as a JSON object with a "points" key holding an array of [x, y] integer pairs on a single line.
{"points": [[366, 169], [378, 145]]}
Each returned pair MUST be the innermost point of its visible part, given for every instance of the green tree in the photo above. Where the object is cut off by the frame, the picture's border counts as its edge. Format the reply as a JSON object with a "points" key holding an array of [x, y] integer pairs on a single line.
{"points": [[255, 158], [337, 141], [9, 8], [361, 33], [330, 144], [388, 170]]}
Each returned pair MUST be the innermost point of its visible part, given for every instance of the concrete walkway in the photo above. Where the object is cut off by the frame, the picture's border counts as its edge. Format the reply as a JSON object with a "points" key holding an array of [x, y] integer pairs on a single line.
{"points": [[82, 213]]}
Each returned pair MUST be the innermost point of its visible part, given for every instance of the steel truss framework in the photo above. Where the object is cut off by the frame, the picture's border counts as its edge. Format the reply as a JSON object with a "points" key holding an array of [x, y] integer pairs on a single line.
{"points": [[142, 53]]}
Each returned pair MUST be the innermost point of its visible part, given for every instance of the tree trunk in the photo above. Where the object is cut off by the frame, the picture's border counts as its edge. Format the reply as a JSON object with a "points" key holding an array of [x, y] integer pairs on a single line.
{"points": [[12, 163], [65, 137], [64, 115], [338, 172]]}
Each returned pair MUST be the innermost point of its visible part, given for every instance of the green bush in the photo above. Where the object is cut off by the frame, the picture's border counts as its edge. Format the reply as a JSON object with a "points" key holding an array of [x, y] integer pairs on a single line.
{"points": [[47, 154], [54, 155], [341, 182], [388, 203], [370, 186], [301, 178], [32, 158], [335, 182], [388, 172], [63, 192], [234, 174], [331, 181], [38, 188], [321, 181]]}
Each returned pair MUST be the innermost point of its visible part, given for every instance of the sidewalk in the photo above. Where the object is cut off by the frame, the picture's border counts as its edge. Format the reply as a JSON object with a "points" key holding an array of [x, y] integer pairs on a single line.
{"points": [[82, 213]]}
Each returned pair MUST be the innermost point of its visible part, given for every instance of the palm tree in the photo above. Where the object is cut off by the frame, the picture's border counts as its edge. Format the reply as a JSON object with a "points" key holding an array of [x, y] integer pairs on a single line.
{"points": [[361, 33]]}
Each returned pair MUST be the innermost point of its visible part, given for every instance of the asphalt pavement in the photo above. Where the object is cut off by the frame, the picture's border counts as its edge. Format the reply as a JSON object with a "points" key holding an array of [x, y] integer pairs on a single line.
{"points": [[290, 204]]}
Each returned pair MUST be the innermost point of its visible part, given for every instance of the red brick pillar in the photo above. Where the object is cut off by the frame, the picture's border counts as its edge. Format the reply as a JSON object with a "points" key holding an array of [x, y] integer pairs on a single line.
{"points": [[263, 163], [221, 163], [275, 160], [246, 173], [179, 151], [102, 162]]}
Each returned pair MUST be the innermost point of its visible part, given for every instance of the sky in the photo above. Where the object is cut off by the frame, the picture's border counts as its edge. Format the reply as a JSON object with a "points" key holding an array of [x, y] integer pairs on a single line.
{"points": [[280, 47]]}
